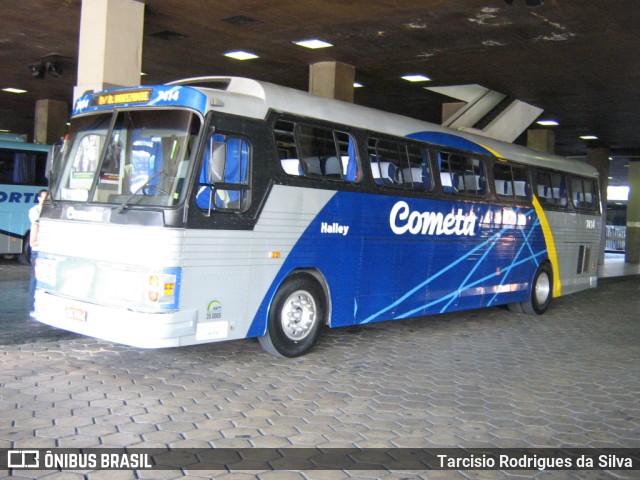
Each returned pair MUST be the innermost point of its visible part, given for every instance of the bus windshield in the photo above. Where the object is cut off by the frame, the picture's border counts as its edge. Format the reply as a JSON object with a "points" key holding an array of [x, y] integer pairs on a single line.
{"points": [[128, 157]]}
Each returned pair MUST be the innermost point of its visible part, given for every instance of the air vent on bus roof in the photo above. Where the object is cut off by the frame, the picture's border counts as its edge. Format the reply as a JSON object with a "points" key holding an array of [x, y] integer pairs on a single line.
{"points": [[240, 85], [216, 83]]}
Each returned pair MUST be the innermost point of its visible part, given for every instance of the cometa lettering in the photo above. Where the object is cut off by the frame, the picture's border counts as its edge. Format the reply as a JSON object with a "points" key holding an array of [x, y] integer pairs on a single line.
{"points": [[403, 220]]}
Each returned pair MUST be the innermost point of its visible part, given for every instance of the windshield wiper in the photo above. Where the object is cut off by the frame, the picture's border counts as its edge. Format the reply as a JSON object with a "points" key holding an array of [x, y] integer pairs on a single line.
{"points": [[147, 184]]}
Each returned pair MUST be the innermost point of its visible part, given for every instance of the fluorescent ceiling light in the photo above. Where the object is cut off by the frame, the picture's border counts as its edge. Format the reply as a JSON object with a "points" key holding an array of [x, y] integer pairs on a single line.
{"points": [[588, 137], [357, 85], [548, 123], [13, 90], [416, 78], [241, 55], [615, 193], [314, 43]]}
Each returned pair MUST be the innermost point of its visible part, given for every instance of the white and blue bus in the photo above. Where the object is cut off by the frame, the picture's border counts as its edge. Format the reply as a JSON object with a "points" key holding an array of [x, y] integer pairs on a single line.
{"points": [[214, 208], [22, 176]]}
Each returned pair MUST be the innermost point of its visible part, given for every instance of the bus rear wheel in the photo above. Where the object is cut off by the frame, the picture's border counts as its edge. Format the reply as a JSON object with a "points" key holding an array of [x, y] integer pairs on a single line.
{"points": [[296, 317], [540, 294]]}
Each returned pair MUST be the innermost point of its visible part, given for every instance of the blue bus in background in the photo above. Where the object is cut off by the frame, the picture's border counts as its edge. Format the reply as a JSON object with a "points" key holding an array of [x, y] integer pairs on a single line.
{"points": [[22, 175], [221, 208]]}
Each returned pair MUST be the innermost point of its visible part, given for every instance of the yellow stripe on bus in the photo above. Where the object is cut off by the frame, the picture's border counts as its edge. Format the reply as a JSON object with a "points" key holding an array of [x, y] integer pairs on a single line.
{"points": [[551, 246], [492, 151]]}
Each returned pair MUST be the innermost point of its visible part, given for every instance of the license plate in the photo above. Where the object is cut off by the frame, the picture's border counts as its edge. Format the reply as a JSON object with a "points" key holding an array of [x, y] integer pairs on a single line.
{"points": [[75, 314]]}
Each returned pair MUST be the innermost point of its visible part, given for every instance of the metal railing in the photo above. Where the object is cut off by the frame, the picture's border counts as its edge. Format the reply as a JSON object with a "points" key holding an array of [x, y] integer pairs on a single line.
{"points": [[615, 238]]}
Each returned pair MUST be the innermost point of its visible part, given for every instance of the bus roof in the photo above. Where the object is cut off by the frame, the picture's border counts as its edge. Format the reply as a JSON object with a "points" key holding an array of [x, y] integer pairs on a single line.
{"points": [[260, 97], [24, 146], [11, 137], [253, 98]]}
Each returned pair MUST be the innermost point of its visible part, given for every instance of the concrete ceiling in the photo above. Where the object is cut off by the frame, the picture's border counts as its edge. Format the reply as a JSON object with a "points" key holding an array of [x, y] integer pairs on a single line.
{"points": [[579, 60]]}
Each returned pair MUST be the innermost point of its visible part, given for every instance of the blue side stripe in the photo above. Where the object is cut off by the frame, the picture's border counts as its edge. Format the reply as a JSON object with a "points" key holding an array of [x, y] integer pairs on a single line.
{"points": [[449, 140], [504, 273], [430, 279], [470, 274], [533, 256], [477, 282]]}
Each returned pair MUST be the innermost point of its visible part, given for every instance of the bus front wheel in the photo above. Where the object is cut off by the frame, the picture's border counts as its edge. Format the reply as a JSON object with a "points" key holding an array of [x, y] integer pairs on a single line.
{"points": [[296, 317], [540, 294], [24, 258]]}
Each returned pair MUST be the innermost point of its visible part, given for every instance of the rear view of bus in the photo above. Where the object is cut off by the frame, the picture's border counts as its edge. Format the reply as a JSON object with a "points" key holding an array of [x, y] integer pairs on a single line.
{"points": [[22, 175]]}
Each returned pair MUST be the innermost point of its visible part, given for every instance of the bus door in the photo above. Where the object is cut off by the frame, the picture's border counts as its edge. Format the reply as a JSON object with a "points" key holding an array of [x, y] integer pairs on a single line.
{"points": [[228, 185], [220, 223], [223, 184]]}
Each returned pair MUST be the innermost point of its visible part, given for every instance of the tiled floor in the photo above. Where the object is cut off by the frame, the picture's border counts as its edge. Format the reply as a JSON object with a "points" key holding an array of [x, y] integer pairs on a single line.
{"points": [[482, 378]]}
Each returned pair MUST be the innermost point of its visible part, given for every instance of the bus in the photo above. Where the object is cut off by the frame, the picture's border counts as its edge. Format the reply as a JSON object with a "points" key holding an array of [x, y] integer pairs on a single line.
{"points": [[22, 176], [220, 208]]}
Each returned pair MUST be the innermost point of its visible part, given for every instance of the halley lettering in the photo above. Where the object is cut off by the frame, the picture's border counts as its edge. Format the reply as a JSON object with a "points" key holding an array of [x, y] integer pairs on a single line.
{"points": [[334, 228], [403, 220]]}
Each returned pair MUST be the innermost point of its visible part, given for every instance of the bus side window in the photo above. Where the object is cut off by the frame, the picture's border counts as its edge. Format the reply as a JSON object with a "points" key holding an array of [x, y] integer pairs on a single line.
{"points": [[583, 193], [522, 187], [462, 174], [286, 148], [419, 174], [503, 181], [224, 177], [22, 167], [448, 179], [349, 166], [326, 153], [475, 176], [551, 188], [318, 152], [511, 181], [400, 163], [559, 189], [545, 190], [389, 162]]}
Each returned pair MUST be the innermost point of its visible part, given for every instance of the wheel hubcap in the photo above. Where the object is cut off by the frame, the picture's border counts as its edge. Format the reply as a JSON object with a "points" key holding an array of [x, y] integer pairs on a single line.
{"points": [[543, 289], [298, 315]]}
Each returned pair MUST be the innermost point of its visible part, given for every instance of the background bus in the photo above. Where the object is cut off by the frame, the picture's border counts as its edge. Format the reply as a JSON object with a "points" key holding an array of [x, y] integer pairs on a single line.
{"points": [[223, 208], [22, 175]]}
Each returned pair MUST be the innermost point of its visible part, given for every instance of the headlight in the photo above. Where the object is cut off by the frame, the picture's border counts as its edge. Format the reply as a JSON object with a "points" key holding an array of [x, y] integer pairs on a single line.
{"points": [[161, 288]]}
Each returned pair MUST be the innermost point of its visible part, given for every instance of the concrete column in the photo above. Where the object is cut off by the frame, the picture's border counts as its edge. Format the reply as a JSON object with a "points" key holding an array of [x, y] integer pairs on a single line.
{"points": [[110, 53], [599, 158], [332, 80], [51, 121], [542, 140], [632, 254]]}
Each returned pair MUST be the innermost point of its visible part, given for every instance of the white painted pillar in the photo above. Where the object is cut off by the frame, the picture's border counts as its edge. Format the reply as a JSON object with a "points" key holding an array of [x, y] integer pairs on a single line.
{"points": [[110, 52]]}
